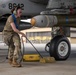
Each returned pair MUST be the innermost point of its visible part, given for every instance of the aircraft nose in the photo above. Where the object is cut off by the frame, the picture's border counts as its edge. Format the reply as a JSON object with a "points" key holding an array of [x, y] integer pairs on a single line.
{"points": [[33, 21]]}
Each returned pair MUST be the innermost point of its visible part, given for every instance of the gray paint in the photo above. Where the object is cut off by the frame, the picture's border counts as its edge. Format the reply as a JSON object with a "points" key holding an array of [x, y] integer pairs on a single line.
{"points": [[30, 8]]}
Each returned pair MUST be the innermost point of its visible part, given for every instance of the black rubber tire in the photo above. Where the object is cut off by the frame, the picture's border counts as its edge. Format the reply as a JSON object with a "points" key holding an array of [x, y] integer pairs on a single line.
{"points": [[53, 49]]}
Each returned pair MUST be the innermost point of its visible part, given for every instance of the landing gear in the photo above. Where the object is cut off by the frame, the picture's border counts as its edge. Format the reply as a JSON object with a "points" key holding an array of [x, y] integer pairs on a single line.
{"points": [[47, 47], [60, 48]]}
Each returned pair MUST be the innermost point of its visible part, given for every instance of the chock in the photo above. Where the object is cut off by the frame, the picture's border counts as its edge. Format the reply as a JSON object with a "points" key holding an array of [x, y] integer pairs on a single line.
{"points": [[47, 60]]}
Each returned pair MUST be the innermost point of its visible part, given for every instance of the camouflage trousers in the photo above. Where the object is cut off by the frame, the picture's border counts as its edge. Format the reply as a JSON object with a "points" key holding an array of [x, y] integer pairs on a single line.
{"points": [[14, 45]]}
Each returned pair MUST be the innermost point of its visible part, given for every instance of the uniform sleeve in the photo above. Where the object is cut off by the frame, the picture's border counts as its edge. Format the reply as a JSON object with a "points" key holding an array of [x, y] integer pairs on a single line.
{"points": [[10, 19]]}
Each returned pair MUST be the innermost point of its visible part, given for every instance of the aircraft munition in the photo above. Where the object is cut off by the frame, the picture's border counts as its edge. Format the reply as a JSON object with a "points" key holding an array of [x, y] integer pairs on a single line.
{"points": [[54, 20], [58, 13]]}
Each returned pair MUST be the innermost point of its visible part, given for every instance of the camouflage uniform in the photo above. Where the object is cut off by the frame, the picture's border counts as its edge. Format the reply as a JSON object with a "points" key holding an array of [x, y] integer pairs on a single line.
{"points": [[12, 39]]}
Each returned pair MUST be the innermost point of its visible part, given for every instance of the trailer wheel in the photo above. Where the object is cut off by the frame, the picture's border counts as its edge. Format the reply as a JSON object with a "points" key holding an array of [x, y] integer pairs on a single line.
{"points": [[60, 48]]}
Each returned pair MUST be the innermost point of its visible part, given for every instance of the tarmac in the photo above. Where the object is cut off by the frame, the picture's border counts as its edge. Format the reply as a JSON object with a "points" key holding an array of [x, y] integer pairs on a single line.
{"points": [[67, 67]]}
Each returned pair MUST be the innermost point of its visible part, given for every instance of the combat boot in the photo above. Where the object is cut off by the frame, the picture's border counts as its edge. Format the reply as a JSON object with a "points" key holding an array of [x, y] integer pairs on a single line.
{"points": [[10, 61], [15, 63]]}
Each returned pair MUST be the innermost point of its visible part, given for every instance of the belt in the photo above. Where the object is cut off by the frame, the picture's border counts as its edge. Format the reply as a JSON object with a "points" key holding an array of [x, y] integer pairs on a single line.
{"points": [[7, 31]]}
